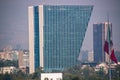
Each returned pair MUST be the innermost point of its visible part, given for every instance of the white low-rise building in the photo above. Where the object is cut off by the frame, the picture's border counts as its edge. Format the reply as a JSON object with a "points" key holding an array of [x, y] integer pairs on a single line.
{"points": [[102, 66], [8, 70], [51, 76]]}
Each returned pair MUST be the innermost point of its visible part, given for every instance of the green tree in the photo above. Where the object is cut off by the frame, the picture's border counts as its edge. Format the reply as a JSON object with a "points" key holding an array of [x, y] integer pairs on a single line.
{"points": [[4, 63], [7, 77], [116, 74], [1, 76], [37, 73]]}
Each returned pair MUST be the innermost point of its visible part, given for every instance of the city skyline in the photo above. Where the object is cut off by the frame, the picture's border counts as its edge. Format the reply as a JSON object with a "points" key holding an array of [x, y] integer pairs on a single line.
{"points": [[14, 20]]}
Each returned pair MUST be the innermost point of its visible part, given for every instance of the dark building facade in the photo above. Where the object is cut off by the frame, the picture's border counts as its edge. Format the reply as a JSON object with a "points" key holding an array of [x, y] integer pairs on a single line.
{"points": [[99, 37], [98, 42]]}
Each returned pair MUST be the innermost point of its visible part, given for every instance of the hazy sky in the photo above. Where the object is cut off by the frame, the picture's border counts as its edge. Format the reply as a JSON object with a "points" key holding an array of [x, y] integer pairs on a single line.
{"points": [[14, 20]]}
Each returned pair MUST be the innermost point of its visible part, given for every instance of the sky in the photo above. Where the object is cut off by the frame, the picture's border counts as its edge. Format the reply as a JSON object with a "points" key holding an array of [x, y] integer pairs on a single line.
{"points": [[14, 20]]}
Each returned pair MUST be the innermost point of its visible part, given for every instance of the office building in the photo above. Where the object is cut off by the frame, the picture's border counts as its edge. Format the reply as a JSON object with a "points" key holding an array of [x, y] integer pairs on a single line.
{"points": [[99, 37], [56, 33]]}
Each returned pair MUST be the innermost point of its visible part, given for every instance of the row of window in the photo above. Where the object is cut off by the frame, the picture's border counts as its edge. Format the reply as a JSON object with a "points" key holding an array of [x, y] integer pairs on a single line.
{"points": [[64, 30]]}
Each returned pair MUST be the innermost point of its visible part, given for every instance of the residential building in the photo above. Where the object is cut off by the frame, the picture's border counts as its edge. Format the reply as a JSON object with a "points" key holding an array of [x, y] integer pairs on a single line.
{"points": [[23, 60], [5, 55]]}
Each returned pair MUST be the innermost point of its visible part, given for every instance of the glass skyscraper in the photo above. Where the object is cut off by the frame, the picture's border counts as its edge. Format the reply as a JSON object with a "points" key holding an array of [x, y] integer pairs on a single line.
{"points": [[56, 33]]}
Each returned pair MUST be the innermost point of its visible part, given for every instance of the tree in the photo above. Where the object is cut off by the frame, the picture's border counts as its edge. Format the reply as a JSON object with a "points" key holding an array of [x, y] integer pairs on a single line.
{"points": [[7, 77], [4, 63], [37, 73], [117, 72]]}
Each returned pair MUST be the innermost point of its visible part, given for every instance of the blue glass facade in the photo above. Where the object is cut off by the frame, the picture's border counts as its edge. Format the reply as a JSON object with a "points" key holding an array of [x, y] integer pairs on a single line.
{"points": [[36, 37], [64, 30], [98, 42]]}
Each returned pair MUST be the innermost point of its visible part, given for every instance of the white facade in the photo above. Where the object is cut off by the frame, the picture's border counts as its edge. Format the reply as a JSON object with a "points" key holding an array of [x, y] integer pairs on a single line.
{"points": [[41, 21], [7, 69], [102, 66], [31, 37], [51, 76]]}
